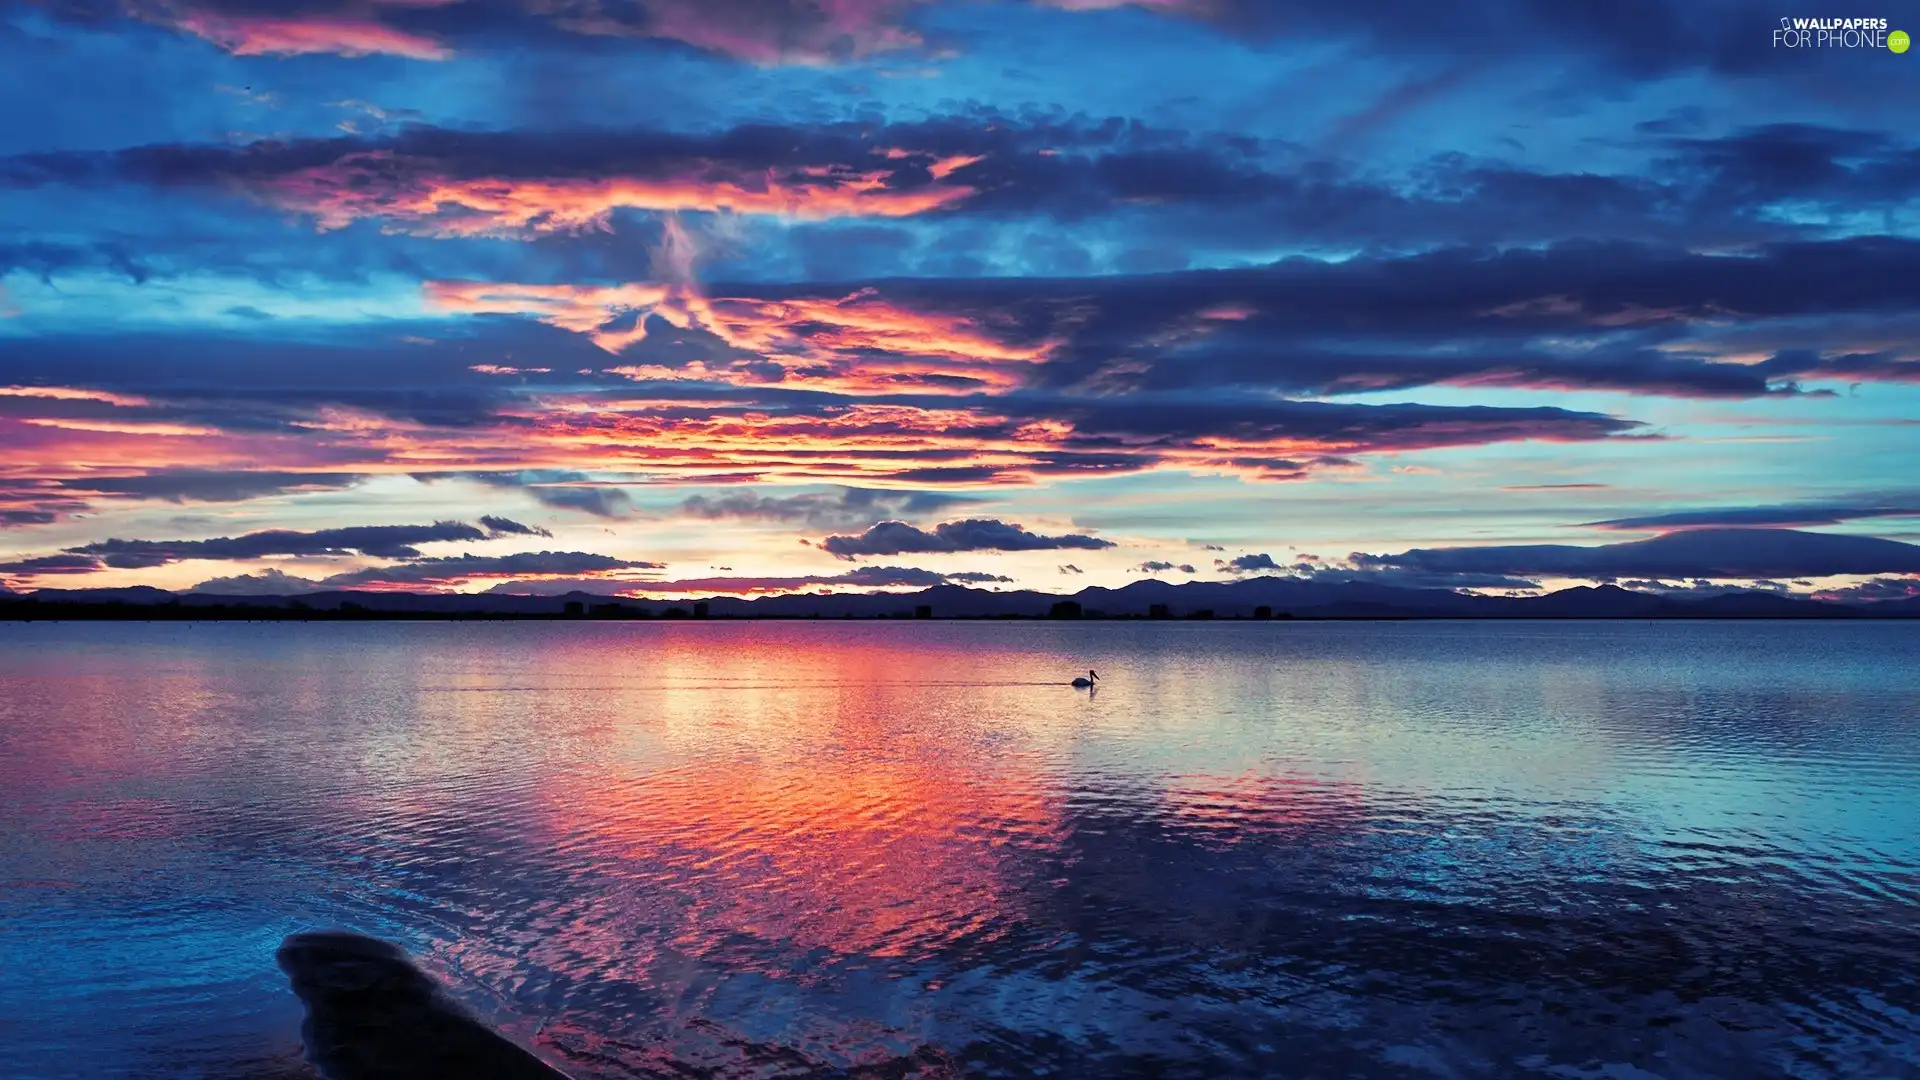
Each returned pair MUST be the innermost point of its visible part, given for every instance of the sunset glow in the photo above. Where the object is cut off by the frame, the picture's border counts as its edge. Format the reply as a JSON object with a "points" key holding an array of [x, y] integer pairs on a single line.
{"points": [[795, 272]]}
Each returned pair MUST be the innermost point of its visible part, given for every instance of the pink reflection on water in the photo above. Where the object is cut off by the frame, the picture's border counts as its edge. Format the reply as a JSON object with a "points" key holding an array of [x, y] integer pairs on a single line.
{"points": [[857, 858]]}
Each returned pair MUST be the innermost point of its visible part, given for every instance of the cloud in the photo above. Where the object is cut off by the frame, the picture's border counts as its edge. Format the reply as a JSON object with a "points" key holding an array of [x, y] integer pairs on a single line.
{"points": [[378, 541], [966, 383], [846, 508], [764, 32], [268, 582], [1702, 589], [1192, 190], [1694, 553], [244, 33], [368, 414], [974, 534], [1069, 568], [556, 488], [1646, 41], [14, 518], [1155, 566], [371, 409], [758, 31], [199, 485], [51, 564], [437, 182], [866, 577], [1646, 319], [1800, 514], [1250, 564], [1621, 318], [459, 569], [499, 526], [1407, 578], [1902, 588], [604, 502]]}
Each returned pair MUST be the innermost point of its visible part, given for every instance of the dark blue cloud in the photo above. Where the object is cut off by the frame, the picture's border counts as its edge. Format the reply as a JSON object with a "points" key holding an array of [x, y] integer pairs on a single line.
{"points": [[1401, 577], [1467, 316], [866, 577], [447, 570], [1906, 588], [975, 534], [500, 526], [845, 508], [1795, 514], [201, 485], [559, 489], [1616, 41], [1166, 190], [1249, 564], [14, 518], [1697, 553], [52, 564], [379, 541], [1156, 566]]}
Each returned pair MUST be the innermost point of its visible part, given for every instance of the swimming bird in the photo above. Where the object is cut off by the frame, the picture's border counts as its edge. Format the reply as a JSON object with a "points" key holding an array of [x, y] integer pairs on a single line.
{"points": [[1092, 677]]}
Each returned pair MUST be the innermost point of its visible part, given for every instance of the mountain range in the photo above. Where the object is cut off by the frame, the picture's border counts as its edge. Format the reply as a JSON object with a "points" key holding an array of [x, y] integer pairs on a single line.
{"points": [[1277, 597]]}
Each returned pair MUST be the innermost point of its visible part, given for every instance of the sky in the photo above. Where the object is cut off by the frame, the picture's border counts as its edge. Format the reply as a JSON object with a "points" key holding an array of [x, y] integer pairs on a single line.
{"points": [[678, 297]]}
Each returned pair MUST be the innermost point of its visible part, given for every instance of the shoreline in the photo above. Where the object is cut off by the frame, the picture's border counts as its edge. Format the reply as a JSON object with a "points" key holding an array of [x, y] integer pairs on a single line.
{"points": [[211, 614]]}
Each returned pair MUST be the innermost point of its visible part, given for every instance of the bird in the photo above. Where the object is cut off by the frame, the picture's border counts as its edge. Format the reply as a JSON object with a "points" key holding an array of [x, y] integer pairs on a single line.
{"points": [[1089, 680]]}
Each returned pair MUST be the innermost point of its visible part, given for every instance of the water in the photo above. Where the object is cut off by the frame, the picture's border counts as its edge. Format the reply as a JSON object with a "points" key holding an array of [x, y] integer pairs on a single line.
{"points": [[1568, 850]]}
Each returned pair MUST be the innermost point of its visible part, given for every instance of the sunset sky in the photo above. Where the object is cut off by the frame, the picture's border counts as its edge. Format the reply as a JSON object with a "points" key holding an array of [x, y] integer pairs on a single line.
{"points": [[669, 297]]}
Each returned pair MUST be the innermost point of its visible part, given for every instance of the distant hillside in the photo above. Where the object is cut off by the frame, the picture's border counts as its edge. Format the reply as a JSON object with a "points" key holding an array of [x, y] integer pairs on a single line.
{"points": [[1265, 597]]}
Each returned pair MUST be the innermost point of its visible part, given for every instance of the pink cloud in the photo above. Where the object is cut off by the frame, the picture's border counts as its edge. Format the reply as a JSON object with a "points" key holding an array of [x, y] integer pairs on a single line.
{"points": [[860, 343], [764, 32], [345, 33], [420, 198]]}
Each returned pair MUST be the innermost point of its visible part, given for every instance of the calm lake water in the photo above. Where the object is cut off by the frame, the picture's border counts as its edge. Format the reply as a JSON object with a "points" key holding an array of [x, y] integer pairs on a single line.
{"points": [[1568, 850]]}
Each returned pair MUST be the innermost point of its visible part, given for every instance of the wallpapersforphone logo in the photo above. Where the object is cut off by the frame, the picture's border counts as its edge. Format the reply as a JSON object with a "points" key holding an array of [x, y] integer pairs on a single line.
{"points": [[1839, 34]]}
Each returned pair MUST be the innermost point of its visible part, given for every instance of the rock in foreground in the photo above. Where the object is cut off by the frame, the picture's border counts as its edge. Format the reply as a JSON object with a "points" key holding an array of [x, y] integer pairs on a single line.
{"points": [[373, 1015]]}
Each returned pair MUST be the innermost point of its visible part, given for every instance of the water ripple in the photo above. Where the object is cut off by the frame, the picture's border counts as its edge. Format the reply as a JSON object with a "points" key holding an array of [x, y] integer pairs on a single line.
{"points": [[1369, 850]]}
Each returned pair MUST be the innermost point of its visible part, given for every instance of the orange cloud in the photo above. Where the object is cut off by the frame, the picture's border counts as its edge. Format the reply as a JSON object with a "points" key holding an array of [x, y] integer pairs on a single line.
{"points": [[121, 427], [411, 193], [68, 393], [861, 343]]}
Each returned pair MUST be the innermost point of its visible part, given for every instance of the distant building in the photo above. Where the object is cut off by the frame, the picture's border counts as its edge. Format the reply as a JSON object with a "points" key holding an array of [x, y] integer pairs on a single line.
{"points": [[1158, 611], [1203, 613], [575, 609], [1064, 609], [700, 610], [1263, 612], [924, 611]]}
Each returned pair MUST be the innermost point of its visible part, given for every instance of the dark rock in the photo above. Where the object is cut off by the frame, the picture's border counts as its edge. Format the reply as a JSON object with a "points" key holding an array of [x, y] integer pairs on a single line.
{"points": [[373, 1015]]}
